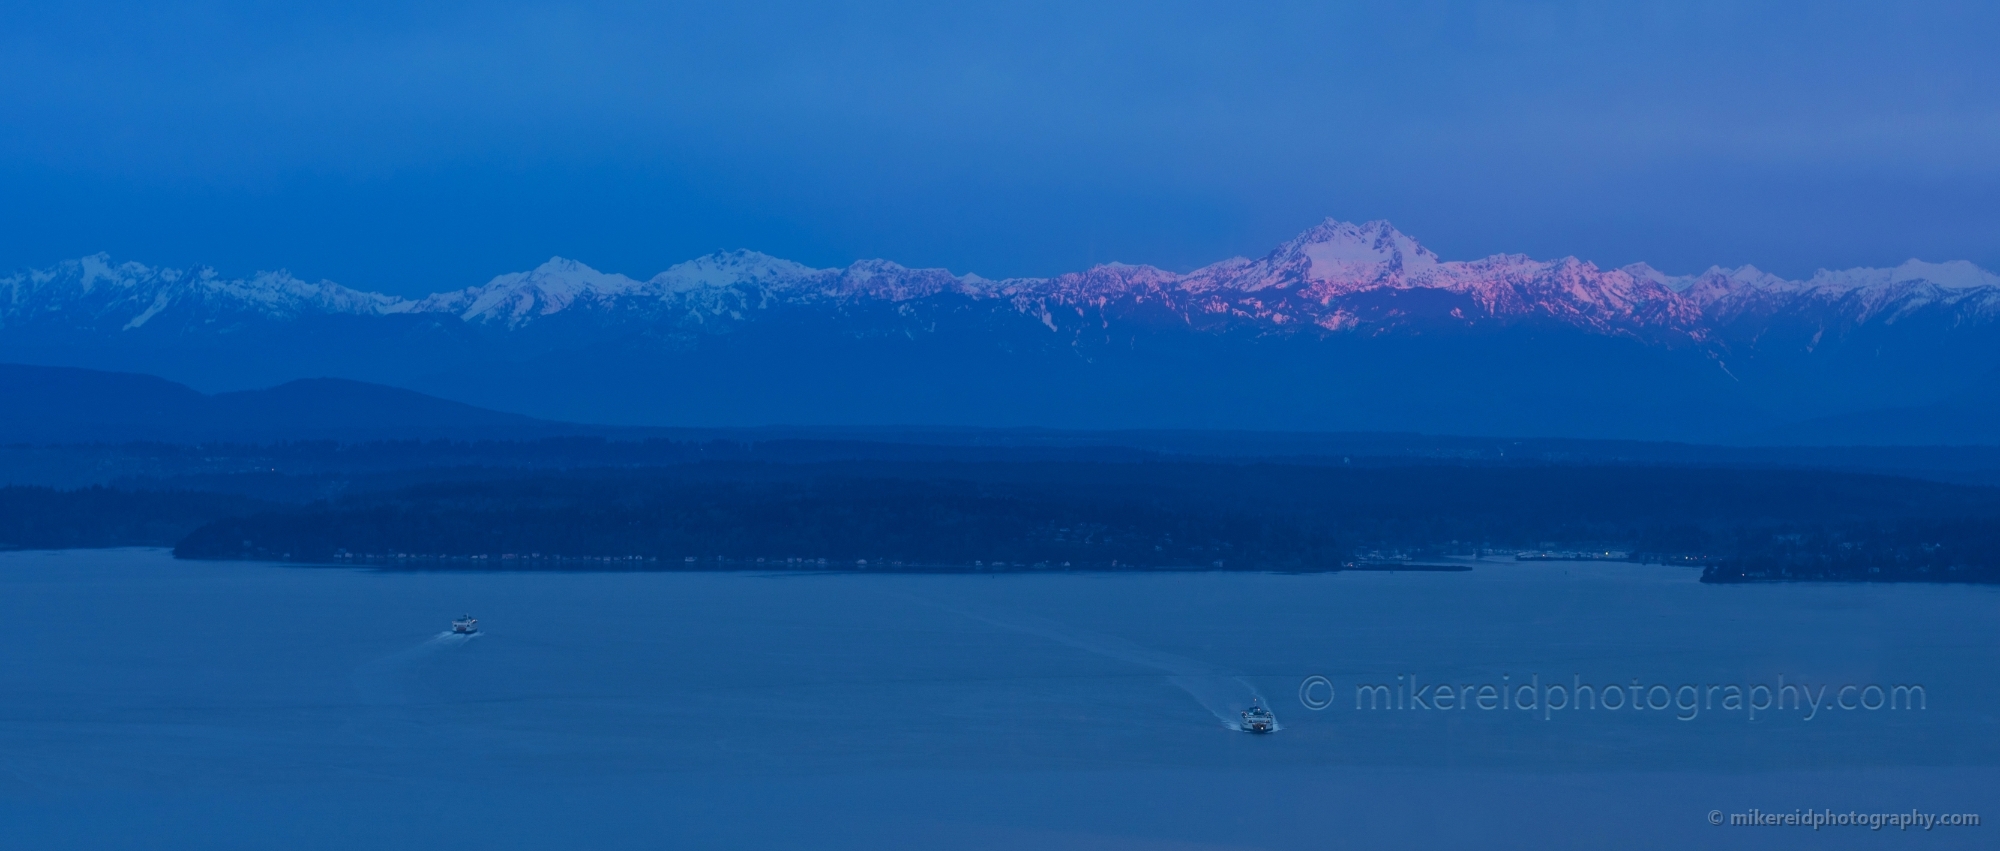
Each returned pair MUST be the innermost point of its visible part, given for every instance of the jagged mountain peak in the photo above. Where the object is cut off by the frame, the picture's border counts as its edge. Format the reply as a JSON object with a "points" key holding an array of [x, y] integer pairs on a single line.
{"points": [[98, 267], [85, 273], [892, 281], [1344, 251], [1746, 275], [1954, 275], [97, 290], [562, 273], [1102, 281], [1643, 271], [731, 268], [517, 296]]}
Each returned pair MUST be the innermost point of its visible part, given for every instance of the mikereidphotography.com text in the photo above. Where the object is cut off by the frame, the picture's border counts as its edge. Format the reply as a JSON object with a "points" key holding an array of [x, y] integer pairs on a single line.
{"points": [[1548, 698]]}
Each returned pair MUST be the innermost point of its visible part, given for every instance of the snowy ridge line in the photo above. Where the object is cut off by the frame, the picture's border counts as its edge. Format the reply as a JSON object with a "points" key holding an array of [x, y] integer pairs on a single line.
{"points": [[1334, 277]]}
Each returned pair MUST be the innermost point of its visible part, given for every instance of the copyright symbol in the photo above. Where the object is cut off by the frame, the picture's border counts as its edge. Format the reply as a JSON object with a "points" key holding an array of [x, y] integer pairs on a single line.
{"points": [[1714, 816], [1308, 692]]}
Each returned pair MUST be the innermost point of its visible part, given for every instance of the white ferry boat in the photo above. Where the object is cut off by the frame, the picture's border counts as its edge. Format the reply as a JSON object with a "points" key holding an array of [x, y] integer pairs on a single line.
{"points": [[1257, 719], [466, 625]]}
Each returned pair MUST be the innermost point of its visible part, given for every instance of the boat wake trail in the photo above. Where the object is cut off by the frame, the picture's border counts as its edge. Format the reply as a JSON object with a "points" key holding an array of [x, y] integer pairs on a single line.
{"points": [[1223, 694], [393, 679]]}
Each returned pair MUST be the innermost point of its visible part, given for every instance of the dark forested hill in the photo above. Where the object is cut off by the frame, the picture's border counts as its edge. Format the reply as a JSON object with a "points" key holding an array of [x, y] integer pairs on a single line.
{"points": [[1150, 514], [62, 405]]}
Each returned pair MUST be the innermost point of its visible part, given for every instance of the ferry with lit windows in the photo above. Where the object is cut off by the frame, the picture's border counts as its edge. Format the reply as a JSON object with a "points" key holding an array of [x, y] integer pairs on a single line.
{"points": [[1257, 719]]}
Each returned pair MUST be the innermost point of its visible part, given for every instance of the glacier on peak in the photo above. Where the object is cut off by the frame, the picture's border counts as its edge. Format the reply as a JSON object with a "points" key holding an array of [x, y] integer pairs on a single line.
{"points": [[1340, 251]]}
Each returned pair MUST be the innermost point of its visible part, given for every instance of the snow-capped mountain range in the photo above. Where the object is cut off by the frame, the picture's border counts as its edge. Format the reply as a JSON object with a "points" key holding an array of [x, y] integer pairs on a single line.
{"points": [[1784, 348], [1336, 277]]}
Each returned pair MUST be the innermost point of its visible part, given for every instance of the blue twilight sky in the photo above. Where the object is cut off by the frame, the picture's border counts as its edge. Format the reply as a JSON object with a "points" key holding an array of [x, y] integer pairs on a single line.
{"points": [[411, 147]]}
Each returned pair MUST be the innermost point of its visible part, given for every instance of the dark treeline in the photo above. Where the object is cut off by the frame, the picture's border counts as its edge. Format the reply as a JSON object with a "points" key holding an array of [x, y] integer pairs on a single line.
{"points": [[1152, 514], [1963, 550], [1137, 511], [915, 523], [302, 470], [45, 518]]}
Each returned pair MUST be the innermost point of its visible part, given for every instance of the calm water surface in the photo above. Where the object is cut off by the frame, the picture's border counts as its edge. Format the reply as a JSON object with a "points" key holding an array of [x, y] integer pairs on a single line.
{"points": [[150, 703]]}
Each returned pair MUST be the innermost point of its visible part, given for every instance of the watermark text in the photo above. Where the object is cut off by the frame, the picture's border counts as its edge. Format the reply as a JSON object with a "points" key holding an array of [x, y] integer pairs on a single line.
{"points": [[1684, 700]]}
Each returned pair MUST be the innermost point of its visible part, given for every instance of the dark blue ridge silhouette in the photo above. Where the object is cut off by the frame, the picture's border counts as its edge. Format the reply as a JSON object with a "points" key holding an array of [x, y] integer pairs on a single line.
{"points": [[45, 404]]}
